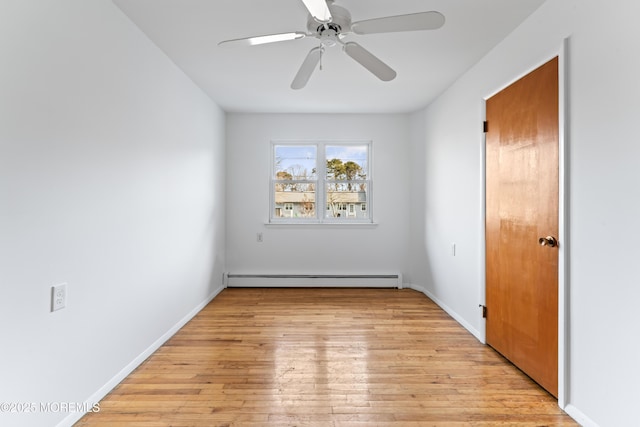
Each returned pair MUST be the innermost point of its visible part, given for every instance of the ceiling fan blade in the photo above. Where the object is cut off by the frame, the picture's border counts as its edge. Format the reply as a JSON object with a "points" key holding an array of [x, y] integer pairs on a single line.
{"points": [[270, 38], [369, 61], [318, 10], [307, 68], [390, 24]]}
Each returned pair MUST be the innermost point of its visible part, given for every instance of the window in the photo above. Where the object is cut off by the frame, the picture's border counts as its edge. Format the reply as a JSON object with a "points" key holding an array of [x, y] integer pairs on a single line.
{"points": [[331, 174]]}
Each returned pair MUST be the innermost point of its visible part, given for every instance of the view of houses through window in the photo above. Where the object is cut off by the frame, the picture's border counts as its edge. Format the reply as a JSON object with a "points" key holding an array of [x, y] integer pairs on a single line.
{"points": [[334, 175]]}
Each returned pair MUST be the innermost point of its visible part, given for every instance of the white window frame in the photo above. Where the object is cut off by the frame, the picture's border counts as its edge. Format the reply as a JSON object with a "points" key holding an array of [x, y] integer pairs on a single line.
{"points": [[320, 184]]}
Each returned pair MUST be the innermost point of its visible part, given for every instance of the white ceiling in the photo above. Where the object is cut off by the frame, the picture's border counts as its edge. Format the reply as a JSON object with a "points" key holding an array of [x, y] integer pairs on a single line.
{"points": [[258, 78]]}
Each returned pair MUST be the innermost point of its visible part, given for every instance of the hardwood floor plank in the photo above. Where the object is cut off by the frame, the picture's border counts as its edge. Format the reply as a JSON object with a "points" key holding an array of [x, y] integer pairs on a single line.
{"points": [[325, 357]]}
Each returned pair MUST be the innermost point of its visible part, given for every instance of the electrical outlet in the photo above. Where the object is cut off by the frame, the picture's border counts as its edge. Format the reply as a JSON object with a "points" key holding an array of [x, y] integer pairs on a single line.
{"points": [[259, 237], [58, 296]]}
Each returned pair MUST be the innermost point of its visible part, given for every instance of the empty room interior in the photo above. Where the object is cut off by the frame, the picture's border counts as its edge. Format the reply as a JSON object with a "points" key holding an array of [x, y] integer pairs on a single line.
{"points": [[175, 168]]}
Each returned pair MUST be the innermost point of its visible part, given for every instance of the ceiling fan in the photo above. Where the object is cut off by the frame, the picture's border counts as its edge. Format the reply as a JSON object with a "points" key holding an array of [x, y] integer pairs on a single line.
{"points": [[330, 24]]}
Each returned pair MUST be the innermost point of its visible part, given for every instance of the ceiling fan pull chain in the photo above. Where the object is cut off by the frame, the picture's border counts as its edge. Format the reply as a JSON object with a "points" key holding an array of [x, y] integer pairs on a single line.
{"points": [[321, 53]]}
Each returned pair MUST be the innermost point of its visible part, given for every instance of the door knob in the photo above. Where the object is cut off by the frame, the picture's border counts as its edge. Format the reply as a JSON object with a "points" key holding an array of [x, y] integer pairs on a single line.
{"points": [[550, 241]]}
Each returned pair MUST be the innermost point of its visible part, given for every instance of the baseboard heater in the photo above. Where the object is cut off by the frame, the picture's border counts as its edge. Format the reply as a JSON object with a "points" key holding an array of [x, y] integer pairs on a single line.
{"points": [[234, 280]]}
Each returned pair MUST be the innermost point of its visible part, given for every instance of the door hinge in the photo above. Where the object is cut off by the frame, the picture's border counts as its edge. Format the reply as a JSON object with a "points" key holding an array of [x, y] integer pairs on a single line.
{"points": [[484, 311], [485, 127]]}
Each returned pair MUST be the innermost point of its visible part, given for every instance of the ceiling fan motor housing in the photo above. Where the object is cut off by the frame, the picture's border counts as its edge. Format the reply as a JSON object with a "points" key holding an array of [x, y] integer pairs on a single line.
{"points": [[340, 23]]}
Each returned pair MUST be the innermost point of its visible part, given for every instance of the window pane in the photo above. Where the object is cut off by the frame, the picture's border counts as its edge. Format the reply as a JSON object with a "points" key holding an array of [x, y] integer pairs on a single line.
{"points": [[294, 162], [347, 162], [339, 180], [294, 200], [347, 200]]}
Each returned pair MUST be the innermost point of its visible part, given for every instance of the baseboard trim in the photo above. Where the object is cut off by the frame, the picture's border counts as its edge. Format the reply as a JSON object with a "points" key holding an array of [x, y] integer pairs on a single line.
{"points": [[449, 311], [290, 280], [579, 416], [74, 417]]}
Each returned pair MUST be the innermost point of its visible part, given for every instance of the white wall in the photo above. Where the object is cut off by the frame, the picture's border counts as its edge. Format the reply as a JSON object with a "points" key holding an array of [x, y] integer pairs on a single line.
{"points": [[315, 249], [603, 204], [111, 180]]}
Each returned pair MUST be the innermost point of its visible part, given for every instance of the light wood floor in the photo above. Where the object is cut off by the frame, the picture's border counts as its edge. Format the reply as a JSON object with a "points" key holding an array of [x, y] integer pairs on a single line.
{"points": [[325, 357]]}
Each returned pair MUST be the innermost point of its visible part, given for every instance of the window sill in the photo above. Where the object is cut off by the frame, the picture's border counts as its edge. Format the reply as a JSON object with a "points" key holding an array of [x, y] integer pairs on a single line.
{"points": [[321, 224]]}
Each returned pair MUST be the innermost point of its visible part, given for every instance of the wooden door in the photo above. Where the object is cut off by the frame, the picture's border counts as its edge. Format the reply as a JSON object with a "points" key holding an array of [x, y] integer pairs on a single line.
{"points": [[521, 212]]}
